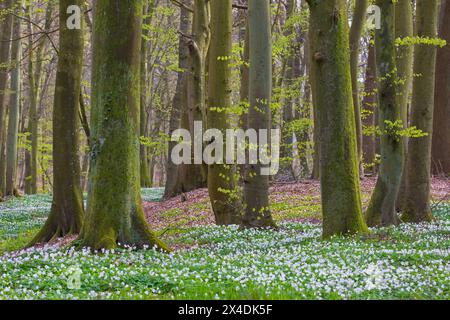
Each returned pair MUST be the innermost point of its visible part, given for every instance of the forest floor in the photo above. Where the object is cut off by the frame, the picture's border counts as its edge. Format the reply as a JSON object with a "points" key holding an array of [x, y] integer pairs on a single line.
{"points": [[210, 262]]}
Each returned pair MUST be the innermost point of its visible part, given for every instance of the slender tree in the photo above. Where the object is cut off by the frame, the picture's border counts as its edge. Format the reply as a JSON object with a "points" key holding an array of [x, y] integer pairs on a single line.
{"points": [[174, 177], [256, 187], [5, 48], [114, 212], [382, 210], [418, 181], [441, 129], [356, 29], [404, 28], [14, 110], [339, 173], [225, 201]]}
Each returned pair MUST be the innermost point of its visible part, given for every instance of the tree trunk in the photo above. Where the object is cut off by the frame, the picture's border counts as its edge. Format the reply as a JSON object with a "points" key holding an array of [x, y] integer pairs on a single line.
{"points": [[382, 210], [14, 111], [5, 48], [418, 181], [356, 29], [369, 105], [173, 186], [441, 129], [256, 186], [339, 173], [114, 212], [222, 187], [145, 178], [404, 28], [31, 155], [67, 205]]}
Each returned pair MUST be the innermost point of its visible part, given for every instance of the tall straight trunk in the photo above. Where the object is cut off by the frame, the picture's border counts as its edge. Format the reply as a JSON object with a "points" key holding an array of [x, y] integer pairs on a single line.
{"points": [[418, 181], [145, 177], [32, 129], [404, 28], [195, 175], [441, 129], [369, 105], [5, 48], [14, 111], [114, 212], [173, 180], [312, 80], [222, 185], [356, 29], [382, 210], [339, 173], [67, 204], [286, 151], [245, 75], [256, 187]]}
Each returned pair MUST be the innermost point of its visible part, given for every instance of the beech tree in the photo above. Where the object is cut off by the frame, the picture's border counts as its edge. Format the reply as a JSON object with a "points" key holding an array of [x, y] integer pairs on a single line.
{"points": [[339, 173], [5, 48], [14, 107], [225, 200], [114, 211], [256, 185], [356, 29], [418, 180], [441, 129], [382, 210], [67, 210]]}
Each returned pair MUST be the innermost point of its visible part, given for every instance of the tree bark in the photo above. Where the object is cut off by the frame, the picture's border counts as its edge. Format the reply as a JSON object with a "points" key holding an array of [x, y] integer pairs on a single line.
{"points": [[381, 210], [14, 110], [418, 180], [404, 28], [222, 187], [5, 48], [441, 129], [339, 173], [114, 212], [67, 205], [256, 185], [356, 29]]}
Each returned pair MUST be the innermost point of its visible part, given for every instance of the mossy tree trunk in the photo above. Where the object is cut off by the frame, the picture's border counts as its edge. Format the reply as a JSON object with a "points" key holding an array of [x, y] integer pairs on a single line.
{"points": [[67, 210], [339, 173], [418, 181], [404, 28], [256, 185], [222, 186], [381, 210], [441, 128], [14, 109], [114, 212], [5, 48], [356, 29]]}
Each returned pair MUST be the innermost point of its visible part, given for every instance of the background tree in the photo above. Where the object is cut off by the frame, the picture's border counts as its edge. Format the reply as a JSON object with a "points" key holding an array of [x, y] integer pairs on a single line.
{"points": [[5, 48], [339, 174], [14, 106], [418, 180], [114, 212], [441, 129]]}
